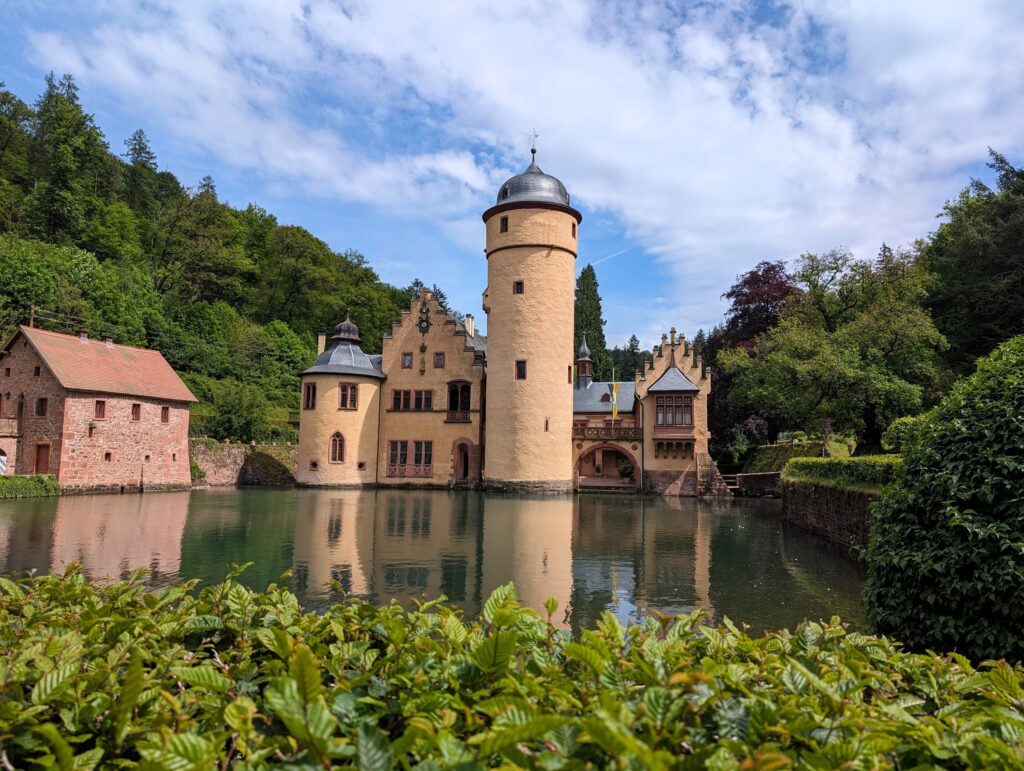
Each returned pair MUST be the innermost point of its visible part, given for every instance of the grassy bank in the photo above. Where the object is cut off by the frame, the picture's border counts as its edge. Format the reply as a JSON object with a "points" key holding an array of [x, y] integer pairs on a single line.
{"points": [[93, 676], [28, 487]]}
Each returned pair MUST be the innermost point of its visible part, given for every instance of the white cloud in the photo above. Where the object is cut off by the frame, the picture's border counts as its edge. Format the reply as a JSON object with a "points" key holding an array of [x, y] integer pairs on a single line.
{"points": [[715, 138]]}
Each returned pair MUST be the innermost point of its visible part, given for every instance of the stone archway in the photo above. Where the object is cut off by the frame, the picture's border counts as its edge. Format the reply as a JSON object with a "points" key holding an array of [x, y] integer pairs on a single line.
{"points": [[597, 468], [465, 462]]}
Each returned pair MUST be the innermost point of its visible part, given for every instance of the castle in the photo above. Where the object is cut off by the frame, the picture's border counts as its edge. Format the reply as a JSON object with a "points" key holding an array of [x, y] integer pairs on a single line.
{"points": [[444, 406]]}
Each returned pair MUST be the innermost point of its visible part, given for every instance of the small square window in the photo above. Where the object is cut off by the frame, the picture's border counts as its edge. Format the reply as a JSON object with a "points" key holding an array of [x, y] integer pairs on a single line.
{"points": [[136, 412], [165, 414], [406, 361], [108, 456], [503, 225], [518, 287], [37, 371], [521, 369], [147, 459], [101, 409], [438, 361]]}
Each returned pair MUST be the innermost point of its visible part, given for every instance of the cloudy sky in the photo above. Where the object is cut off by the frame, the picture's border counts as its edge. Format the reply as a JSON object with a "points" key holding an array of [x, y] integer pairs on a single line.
{"points": [[697, 138]]}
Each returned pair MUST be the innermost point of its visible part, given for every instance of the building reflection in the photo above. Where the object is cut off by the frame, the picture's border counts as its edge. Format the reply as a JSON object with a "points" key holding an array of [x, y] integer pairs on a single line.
{"points": [[592, 553]]}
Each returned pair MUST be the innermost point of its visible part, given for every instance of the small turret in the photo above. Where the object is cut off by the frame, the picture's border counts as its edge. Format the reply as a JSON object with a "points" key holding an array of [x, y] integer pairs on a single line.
{"points": [[584, 366]]}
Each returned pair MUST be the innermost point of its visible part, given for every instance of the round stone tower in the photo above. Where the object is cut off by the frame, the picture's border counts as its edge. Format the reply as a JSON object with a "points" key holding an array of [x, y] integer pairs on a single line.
{"points": [[532, 233], [340, 405]]}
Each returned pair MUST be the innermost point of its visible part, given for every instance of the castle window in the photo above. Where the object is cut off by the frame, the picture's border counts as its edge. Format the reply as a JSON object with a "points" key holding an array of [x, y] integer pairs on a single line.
{"points": [[406, 361], [503, 225], [348, 395], [401, 400], [521, 369], [674, 411], [108, 456], [101, 409], [424, 401], [165, 414], [37, 371], [41, 404], [398, 453], [518, 287], [570, 374], [574, 230], [309, 396], [505, 192], [7, 371], [438, 361], [136, 412], [337, 450]]}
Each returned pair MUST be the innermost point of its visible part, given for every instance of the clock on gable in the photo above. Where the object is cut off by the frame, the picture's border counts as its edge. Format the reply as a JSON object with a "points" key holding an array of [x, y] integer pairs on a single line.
{"points": [[424, 322]]}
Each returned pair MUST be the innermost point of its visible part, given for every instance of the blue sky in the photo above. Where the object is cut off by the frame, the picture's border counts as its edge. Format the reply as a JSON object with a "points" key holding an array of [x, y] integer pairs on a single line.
{"points": [[696, 138]]}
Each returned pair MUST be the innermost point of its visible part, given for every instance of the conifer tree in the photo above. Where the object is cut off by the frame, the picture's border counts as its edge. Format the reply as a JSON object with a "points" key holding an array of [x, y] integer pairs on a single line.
{"points": [[589, 323], [140, 177]]}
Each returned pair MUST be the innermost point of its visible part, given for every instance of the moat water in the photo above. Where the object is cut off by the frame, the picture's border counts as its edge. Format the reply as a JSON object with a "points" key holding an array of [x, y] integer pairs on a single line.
{"points": [[592, 553]]}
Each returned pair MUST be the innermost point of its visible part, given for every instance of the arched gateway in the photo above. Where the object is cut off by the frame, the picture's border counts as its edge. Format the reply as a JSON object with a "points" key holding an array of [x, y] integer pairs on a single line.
{"points": [[606, 466]]}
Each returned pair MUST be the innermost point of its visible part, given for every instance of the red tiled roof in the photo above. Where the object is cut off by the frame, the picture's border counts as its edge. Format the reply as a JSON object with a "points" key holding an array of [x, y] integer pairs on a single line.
{"points": [[92, 365]]}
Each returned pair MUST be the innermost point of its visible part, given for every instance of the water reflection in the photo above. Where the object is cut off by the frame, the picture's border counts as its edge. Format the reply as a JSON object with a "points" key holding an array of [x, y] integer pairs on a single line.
{"points": [[592, 553]]}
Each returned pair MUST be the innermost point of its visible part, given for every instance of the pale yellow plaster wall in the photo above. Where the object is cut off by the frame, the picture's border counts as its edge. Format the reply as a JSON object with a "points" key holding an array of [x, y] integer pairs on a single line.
{"points": [[691, 367], [529, 422], [443, 336], [358, 426]]}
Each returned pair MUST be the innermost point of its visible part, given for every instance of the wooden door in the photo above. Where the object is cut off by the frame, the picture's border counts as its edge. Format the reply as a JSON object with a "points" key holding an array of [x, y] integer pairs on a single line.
{"points": [[42, 459]]}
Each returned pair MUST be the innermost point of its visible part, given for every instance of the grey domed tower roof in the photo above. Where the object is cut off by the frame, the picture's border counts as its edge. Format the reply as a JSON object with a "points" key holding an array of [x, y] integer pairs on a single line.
{"points": [[345, 357], [533, 188]]}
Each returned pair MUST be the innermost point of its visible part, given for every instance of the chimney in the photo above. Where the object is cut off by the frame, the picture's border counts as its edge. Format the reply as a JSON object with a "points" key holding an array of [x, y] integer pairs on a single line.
{"points": [[470, 325], [83, 335], [321, 343], [108, 341], [672, 331]]}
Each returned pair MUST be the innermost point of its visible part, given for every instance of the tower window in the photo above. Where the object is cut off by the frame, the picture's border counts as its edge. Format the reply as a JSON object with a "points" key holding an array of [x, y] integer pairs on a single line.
{"points": [[574, 230], [337, 448], [518, 287], [348, 396], [505, 192], [503, 225], [521, 369], [570, 374], [309, 397]]}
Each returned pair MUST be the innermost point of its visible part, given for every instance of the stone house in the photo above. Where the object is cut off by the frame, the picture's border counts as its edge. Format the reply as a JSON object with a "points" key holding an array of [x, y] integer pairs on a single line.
{"points": [[98, 416]]}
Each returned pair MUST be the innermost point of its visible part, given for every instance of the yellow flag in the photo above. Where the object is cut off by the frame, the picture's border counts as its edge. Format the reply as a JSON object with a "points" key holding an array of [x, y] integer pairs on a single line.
{"points": [[615, 400]]}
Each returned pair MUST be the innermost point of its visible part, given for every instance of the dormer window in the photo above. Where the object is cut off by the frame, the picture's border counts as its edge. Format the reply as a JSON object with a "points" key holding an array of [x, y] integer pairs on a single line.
{"points": [[505, 192]]}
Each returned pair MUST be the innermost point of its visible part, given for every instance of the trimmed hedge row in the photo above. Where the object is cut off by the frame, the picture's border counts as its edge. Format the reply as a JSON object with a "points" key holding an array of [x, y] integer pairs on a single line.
{"points": [[115, 676], [28, 487], [876, 470]]}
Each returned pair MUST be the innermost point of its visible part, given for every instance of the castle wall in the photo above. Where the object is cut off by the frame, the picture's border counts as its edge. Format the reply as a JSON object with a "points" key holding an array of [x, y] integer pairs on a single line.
{"points": [[358, 427], [529, 421], [446, 429]]}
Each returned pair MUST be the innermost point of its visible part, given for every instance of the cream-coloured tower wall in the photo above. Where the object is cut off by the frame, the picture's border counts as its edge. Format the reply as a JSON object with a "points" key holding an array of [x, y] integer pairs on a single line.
{"points": [[358, 427], [529, 421]]}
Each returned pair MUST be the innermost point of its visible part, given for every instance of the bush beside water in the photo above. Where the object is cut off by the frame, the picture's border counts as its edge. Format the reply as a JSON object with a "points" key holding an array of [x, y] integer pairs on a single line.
{"points": [[96, 676], [871, 470], [946, 556], [40, 485]]}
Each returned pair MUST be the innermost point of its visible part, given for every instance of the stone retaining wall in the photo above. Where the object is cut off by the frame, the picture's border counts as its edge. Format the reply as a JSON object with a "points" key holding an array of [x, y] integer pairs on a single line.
{"points": [[759, 485], [841, 514], [242, 464]]}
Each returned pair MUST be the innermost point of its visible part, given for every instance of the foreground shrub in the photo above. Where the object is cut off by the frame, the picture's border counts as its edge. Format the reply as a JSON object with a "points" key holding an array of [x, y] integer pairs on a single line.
{"points": [[874, 470], [28, 487], [946, 556], [903, 432], [103, 676]]}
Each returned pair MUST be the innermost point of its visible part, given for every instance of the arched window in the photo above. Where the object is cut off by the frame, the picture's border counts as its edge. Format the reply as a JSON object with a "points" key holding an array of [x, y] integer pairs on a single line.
{"points": [[337, 454]]}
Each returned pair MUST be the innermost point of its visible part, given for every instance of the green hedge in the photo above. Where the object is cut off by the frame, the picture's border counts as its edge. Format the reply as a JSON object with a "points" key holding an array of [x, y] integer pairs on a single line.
{"points": [[946, 556], [874, 470], [111, 676], [28, 487]]}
